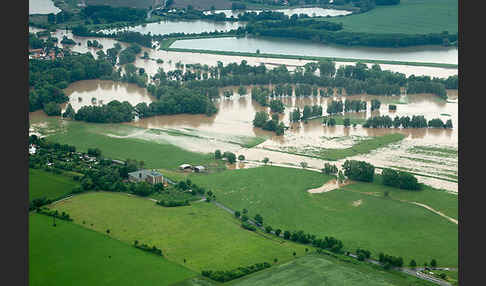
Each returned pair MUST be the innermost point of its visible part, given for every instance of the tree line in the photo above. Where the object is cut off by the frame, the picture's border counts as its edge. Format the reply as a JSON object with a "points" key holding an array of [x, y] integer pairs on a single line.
{"points": [[307, 112], [417, 121], [329, 32], [227, 275]]}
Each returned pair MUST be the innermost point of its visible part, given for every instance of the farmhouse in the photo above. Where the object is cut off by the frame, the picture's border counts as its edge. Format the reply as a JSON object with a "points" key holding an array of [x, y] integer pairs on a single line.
{"points": [[150, 176]]}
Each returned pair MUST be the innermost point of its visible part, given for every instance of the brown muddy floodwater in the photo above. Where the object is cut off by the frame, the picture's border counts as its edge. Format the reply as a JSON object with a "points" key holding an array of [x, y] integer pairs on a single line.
{"points": [[235, 116], [98, 92]]}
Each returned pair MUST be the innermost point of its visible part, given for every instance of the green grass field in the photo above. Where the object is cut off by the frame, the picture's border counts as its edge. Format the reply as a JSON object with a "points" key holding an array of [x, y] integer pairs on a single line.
{"points": [[359, 220], [72, 255], [409, 17], [49, 185], [442, 201], [206, 236], [322, 270]]}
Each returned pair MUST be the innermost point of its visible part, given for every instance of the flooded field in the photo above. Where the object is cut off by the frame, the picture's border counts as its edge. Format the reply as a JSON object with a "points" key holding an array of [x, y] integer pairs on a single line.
{"points": [[98, 92], [42, 7], [231, 128], [312, 12], [188, 27], [431, 153], [171, 58], [293, 47]]}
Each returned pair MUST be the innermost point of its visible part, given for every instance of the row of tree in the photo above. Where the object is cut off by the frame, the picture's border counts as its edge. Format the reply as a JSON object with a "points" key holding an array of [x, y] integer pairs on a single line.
{"points": [[417, 121], [227, 275], [309, 111], [329, 32]]}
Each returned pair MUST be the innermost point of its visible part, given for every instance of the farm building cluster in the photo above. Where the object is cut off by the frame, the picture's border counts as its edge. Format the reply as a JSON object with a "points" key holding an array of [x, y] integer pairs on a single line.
{"points": [[190, 168]]}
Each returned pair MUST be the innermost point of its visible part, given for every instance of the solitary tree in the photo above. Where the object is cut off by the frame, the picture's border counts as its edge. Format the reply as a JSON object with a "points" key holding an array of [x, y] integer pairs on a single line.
{"points": [[245, 211], [303, 164], [237, 214], [268, 229], [241, 157], [275, 260], [294, 254], [413, 264], [278, 231], [265, 160], [217, 154], [433, 263]]}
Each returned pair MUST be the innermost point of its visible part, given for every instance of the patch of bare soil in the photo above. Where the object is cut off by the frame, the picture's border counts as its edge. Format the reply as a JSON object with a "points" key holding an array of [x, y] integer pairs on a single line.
{"points": [[329, 186], [357, 203]]}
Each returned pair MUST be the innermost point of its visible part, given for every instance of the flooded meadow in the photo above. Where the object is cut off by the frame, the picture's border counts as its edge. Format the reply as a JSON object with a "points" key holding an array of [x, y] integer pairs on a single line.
{"points": [[231, 129]]}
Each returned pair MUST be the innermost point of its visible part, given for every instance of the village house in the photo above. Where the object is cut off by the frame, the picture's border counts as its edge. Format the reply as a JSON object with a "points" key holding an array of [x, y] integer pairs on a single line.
{"points": [[150, 176]]}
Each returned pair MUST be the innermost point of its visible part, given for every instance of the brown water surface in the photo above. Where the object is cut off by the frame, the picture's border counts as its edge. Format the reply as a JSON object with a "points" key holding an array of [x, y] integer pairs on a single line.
{"points": [[82, 93]]}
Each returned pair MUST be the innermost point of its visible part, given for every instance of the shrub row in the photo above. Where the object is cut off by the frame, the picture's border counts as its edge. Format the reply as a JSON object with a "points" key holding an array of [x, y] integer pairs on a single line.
{"points": [[147, 248], [54, 213], [224, 276], [172, 203]]}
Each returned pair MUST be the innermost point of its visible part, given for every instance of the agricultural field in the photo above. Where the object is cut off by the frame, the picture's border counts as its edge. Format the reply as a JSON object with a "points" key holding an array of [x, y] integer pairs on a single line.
{"points": [[439, 200], [359, 220], [322, 270], [49, 185], [409, 17], [206, 236], [69, 254]]}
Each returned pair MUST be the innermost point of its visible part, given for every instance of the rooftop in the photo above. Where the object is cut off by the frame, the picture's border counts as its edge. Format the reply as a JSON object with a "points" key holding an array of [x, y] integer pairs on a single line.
{"points": [[145, 173]]}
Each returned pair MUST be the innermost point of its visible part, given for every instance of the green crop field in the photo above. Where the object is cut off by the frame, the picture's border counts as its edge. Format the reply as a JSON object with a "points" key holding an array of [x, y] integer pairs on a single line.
{"points": [[359, 220], [409, 17], [206, 236], [49, 185], [322, 270], [72, 255]]}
